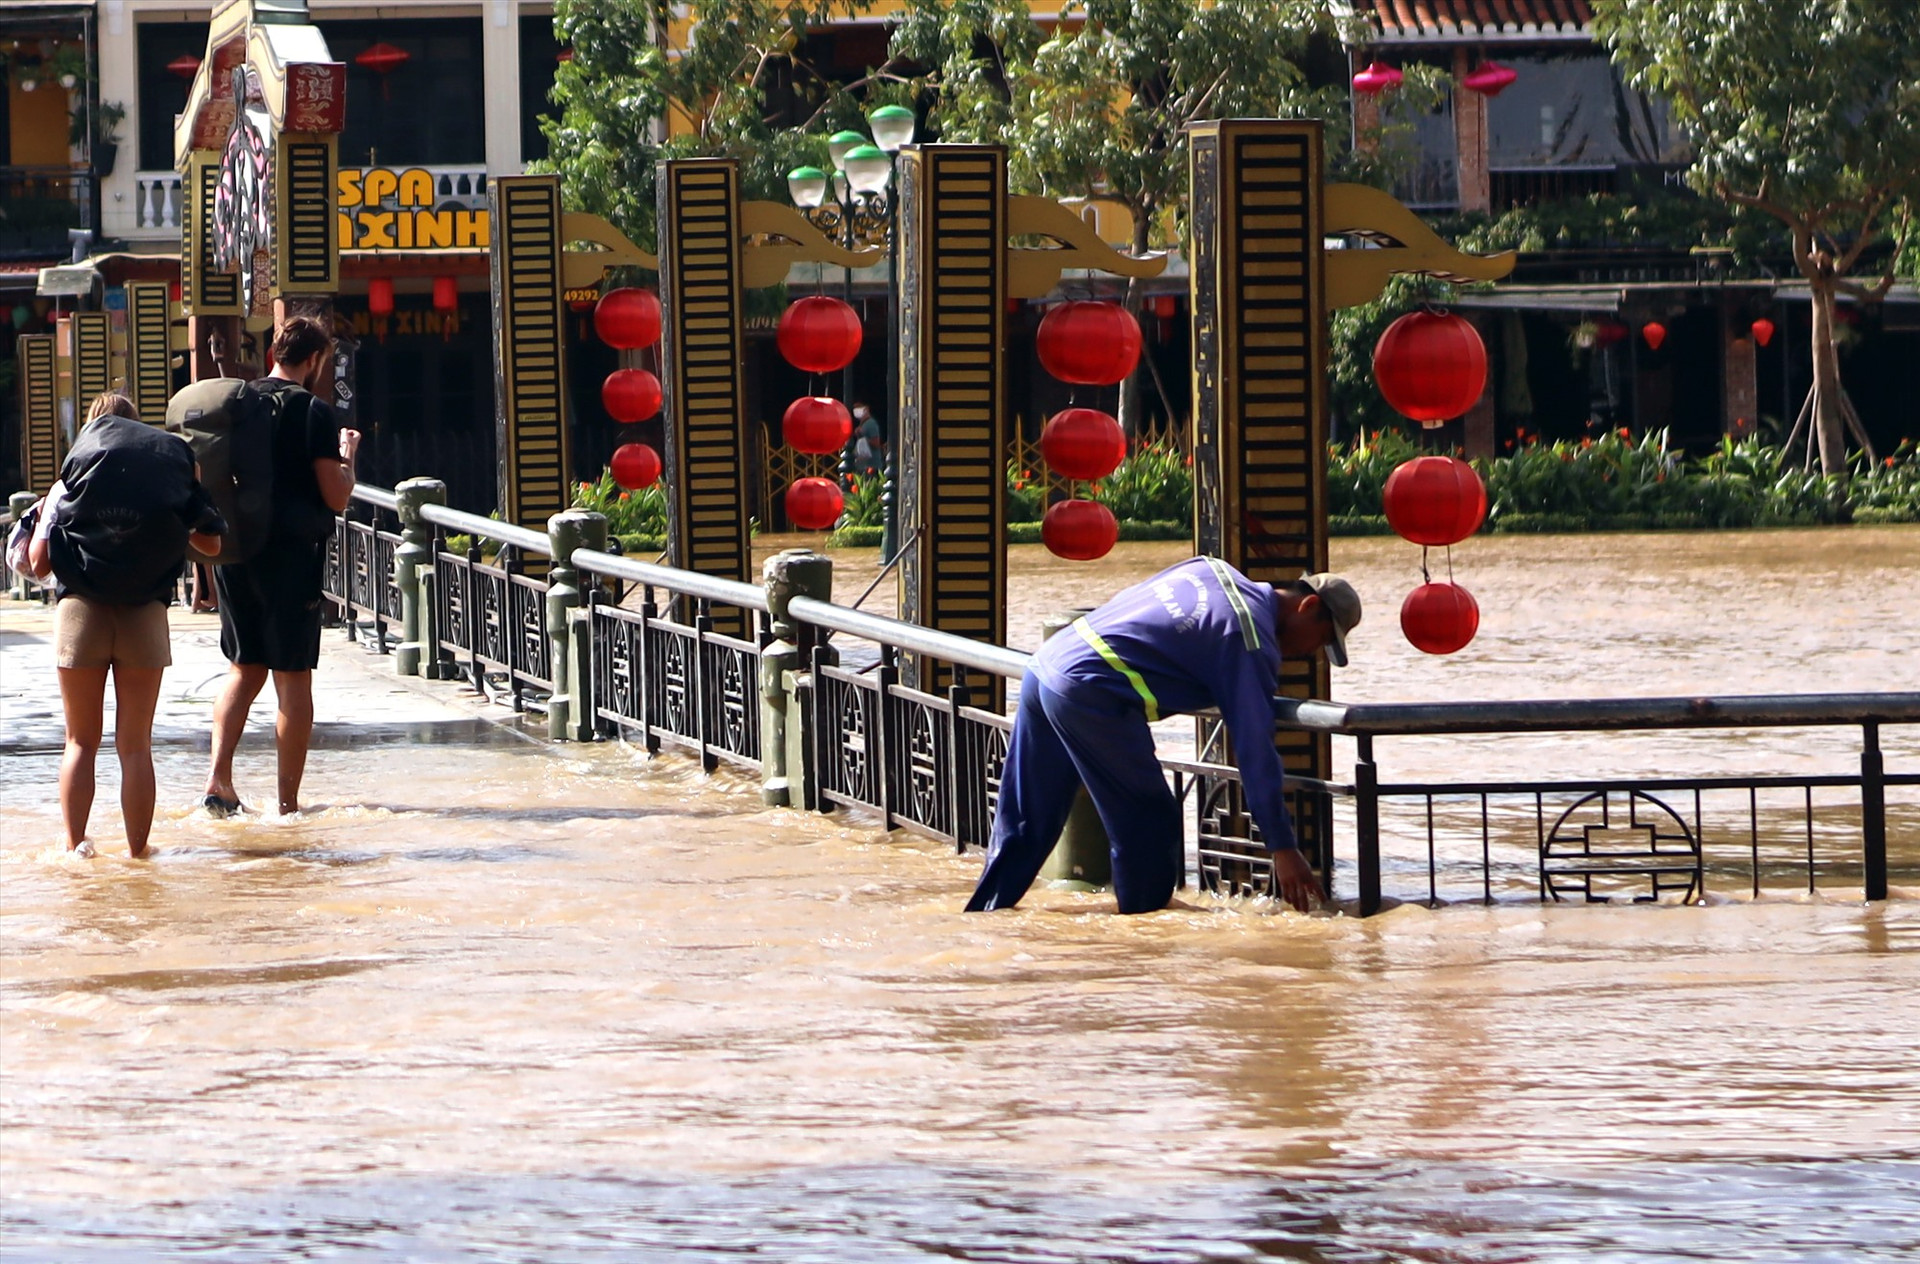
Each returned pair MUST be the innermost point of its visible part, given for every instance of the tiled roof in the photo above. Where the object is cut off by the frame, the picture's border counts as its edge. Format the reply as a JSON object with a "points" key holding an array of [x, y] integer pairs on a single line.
{"points": [[1455, 19]]}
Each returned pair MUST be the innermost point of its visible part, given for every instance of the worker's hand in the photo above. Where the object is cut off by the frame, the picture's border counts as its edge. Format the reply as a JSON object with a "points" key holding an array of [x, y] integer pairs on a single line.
{"points": [[1294, 879]]}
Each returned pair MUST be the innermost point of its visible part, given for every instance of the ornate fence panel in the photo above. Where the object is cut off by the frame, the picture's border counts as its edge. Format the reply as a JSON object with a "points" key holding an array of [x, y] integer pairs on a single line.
{"points": [[357, 579], [492, 621], [673, 683]]}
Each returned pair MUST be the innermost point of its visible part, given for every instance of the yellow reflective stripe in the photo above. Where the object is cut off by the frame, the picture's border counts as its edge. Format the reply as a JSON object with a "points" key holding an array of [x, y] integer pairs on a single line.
{"points": [[1105, 651], [1249, 632]]}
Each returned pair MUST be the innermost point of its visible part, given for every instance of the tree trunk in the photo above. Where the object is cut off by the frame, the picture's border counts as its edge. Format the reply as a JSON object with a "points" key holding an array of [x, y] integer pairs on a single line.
{"points": [[1829, 417]]}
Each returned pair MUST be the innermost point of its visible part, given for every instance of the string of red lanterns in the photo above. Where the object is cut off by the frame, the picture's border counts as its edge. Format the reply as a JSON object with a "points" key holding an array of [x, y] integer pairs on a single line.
{"points": [[1086, 343]]}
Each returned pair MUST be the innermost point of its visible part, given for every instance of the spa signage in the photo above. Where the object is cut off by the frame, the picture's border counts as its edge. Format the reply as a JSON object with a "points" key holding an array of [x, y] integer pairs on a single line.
{"points": [[392, 208]]}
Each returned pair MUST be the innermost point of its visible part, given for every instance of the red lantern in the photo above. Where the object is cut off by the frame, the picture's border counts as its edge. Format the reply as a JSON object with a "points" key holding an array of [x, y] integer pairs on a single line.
{"points": [[1082, 443], [814, 504], [630, 395], [1490, 80], [1763, 331], [1377, 78], [815, 423], [1088, 343], [1439, 618], [380, 296], [627, 319], [636, 465], [186, 65], [382, 59], [1654, 332], [1431, 366], [1608, 332], [1165, 305], [446, 294], [174, 291], [1079, 530], [819, 334], [1435, 500]]}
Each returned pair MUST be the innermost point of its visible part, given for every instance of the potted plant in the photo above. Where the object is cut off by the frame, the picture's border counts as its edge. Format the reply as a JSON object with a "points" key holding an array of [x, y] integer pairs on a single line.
{"points": [[107, 117], [67, 66]]}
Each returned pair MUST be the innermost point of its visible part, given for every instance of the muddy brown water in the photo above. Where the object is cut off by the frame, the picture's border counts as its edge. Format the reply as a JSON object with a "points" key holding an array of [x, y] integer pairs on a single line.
{"points": [[492, 999]]}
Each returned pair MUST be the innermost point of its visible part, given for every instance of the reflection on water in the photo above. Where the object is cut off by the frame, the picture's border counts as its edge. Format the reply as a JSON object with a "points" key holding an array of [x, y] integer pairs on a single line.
{"points": [[497, 1002]]}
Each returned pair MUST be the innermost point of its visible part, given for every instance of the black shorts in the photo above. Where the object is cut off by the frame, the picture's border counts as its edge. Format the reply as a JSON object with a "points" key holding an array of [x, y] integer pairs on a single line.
{"points": [[270, 606]]}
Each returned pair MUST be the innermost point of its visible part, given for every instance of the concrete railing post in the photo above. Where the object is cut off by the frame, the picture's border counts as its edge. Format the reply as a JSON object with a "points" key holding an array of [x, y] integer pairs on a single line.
{"points": [[567, 531], [1083, 856], [18, 504], [415, 551], [783, 721]]}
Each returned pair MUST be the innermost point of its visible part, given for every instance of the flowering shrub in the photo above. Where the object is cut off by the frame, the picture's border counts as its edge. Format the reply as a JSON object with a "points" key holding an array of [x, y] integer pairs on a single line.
{"points": [[642, 513]]}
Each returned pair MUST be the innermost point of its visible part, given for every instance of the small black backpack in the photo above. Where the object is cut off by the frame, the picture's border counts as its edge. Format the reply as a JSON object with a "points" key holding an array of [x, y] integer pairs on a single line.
{"points": [[231, 429]]}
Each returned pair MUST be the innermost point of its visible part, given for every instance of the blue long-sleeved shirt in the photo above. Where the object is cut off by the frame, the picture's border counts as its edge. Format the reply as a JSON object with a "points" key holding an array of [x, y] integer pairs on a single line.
{"points": [[1183, 636]]}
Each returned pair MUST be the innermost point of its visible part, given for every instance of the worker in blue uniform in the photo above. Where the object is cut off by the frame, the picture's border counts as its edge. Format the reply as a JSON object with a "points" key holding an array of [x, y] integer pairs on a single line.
{"points": [[1199, 634]]}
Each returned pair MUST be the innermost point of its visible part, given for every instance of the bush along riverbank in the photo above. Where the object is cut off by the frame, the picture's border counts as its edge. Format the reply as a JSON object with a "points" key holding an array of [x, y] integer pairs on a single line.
{"points": [[1610, 483], [1617, 483]]}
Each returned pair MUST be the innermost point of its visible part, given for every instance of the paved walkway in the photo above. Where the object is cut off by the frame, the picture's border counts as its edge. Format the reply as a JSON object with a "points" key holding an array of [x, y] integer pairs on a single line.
{"points": [[354, 692]]}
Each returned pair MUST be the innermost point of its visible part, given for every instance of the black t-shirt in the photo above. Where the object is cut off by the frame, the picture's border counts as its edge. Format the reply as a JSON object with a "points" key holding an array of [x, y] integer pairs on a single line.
{"points": [[120, 533], [307, 430]]}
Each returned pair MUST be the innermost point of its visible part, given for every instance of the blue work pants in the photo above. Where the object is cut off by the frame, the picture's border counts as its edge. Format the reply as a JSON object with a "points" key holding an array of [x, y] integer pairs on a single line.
{"points": [[1061, 741]]}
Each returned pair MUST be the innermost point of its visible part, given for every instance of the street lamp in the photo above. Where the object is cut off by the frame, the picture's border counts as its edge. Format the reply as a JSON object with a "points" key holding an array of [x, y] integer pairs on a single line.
{"points": [[856, 205]]}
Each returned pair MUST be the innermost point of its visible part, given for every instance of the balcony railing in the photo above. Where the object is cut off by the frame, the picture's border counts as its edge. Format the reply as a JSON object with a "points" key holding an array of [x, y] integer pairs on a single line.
{"points": [[37, 207], [156, 208]]}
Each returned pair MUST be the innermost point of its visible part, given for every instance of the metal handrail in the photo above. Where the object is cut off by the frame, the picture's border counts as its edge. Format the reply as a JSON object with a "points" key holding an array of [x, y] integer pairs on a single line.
{"points": [[1599, 714], [379, 497], [944, 646], [729, 591], [523, 538]]}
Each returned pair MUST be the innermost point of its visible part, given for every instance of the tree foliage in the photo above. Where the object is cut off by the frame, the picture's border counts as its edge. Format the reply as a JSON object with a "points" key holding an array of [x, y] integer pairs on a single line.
{"points": [[1806, 110]]}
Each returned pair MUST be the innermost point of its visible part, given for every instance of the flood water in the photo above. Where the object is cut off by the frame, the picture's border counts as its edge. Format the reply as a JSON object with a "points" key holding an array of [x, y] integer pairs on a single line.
{"points": [[496, 1000]]}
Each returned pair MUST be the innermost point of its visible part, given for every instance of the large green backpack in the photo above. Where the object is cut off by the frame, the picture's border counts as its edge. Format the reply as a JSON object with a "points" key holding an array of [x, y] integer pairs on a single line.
{"points": [[231, 430]]}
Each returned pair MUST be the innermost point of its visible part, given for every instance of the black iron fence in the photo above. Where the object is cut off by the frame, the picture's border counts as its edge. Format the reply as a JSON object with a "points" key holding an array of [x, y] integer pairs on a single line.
{"points": [[651, 667]]}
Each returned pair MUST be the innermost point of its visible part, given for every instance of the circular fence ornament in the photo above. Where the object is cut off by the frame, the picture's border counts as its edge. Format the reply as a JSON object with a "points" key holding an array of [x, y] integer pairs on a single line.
{"points": [[635, 465], [1435, 500], [630, 395], [1079, 530], [819, 334], [1088, 343], [814, 504], [627, 319], [817, 424], [1431, 366], [1082, 443], [1439, 618]]}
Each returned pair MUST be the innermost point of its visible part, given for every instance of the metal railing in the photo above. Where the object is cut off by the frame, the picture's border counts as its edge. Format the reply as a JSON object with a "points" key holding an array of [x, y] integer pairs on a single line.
{"points": [[904, 722]]}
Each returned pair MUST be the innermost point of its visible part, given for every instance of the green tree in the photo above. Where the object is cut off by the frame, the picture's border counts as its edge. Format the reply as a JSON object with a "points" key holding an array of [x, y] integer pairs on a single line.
{"points": [[1806, 110], [1097, 107], [742, 88]]}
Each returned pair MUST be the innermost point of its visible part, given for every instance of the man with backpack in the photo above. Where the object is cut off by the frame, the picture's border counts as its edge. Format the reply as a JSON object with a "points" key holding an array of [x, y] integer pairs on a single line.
{"points": [[270, 596]]}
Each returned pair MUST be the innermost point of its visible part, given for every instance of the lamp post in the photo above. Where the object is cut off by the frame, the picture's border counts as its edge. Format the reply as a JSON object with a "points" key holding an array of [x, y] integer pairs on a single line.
{"points": [[856, 204]]}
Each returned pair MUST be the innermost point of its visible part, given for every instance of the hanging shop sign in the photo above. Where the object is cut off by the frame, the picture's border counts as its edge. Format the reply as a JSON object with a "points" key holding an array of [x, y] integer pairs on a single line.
{"points": [[392, 208]]}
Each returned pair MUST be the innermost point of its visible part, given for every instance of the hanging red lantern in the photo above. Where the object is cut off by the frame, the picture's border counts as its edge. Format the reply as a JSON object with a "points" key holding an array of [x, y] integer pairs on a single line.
{"points": [[1088, 343], [817, 424], [1654, 332], [1439, 618], [814, 504], [1079, 530], [1165, 306], [1082, 443], [1763, 331], [186, 65], [1490, 80], [627, 319], [1435, 500], [446, 294], [1608, 332], [630, 395], [382, 59], [380, 296], [1377, 78], [635, 465], [819, 334], [1431, 366]]}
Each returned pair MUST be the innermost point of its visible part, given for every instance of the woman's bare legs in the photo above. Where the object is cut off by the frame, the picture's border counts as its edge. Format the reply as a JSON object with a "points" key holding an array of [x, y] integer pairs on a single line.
{"points": [[136, 694], [83, 697]]}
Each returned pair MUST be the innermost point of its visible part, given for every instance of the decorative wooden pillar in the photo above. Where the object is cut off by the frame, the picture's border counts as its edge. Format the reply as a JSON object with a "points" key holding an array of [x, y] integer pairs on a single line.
{"points": [[701, 342], [1740, 400], [530, 350], [42, 445], [1259, 372], [952, 431], [149, 350]]}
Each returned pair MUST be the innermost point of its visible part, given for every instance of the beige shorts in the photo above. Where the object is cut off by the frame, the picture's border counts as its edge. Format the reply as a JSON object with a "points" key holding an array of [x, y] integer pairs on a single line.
{"points": [[94, 634]]}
